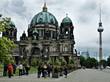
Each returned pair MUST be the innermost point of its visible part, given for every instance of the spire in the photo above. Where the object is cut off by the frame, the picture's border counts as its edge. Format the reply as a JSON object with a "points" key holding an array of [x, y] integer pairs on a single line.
{"points": [[66, 14], [23, 31], [100, 17], [45, 7]]}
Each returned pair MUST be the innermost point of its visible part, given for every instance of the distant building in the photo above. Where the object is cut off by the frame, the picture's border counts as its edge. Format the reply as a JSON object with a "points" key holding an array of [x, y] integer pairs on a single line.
{"points": [[45, 40], [85, 54]]}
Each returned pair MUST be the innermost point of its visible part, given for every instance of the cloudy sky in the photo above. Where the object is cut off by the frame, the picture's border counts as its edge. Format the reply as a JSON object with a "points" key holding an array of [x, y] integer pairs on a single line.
{"points": [[83, 13]]}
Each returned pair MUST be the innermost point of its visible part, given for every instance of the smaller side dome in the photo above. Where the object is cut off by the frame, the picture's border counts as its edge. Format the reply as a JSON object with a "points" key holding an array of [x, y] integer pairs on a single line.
{"points": [[66, 20], [11, 24]]}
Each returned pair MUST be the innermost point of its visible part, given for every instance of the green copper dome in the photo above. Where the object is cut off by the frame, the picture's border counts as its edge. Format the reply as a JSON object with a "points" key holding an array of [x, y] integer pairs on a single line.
{"points": [[66, 20], [44, 17], [11, 24]]}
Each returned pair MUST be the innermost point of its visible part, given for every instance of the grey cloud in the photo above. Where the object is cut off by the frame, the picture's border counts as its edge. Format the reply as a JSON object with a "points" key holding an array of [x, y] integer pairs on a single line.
{"points": [[90, 6], [17, 6], [3, 5], [84, 14], [87, 10]]}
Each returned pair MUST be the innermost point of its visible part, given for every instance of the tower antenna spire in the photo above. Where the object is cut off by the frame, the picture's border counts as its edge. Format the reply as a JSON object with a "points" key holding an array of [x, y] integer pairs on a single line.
{"points": [[66, 14], [44, 3], [100, 15], [100, 11]]}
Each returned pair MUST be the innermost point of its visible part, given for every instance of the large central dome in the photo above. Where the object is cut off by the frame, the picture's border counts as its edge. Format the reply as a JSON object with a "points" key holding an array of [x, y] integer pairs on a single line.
{"points": [[44, 17]]}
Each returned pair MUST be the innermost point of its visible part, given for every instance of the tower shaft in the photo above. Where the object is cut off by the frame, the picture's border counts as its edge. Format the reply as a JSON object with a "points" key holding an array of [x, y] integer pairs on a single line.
{"points": [[100, 46]]}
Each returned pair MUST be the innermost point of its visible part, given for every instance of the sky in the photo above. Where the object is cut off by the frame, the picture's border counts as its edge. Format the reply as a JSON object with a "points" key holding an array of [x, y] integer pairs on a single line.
{"points": [[83, 13]]}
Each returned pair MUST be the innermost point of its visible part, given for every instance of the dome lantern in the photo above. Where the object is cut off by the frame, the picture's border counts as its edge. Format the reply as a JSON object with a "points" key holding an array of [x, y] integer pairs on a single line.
{"points": [[45, 7]]}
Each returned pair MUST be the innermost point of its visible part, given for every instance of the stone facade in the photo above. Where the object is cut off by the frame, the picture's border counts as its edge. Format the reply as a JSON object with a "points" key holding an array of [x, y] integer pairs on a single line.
{"points": [[46, 39]]}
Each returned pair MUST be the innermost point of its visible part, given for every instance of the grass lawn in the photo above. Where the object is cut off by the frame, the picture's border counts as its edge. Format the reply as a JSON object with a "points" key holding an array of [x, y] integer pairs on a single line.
{"points": [[33, 70]]}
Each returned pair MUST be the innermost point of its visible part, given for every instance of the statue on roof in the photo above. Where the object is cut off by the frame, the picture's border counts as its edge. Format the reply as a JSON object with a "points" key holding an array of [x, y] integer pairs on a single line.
{"points": [[35, 34]]}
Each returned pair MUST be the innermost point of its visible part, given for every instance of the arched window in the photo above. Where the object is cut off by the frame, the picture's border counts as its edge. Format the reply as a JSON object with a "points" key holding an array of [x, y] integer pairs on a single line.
{"points": [[35, 51], [52, 21], [40, 20], [65, 49], [54, 49], [42, 32], [66, 31], [53, 34]]}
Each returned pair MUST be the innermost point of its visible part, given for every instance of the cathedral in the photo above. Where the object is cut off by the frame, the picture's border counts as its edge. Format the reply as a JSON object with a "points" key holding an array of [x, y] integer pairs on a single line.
{"points": [[45, 40]]}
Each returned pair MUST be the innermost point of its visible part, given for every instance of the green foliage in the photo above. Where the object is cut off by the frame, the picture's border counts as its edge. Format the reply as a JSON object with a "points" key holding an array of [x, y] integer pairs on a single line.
{"points": [[35, 62], [50, 61], [57, 62], [108, 61], [24, 61], [91, 62], [70, 65], [1, 67], [63, 62], [82, 61], [104, 63], [6, 45], [4, 23], [71, 61]]}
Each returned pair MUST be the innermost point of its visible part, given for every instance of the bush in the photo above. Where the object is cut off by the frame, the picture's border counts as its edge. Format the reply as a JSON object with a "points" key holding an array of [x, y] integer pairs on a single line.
{"points": [[35, 62]]}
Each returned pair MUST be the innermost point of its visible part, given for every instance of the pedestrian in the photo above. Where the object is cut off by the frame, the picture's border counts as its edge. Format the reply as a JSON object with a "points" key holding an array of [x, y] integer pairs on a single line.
{"points": [[39, 71], [20, 67], [49, 70], [10, 70], [65, 71], [14, 68], [23, 70], [45, 70], [27, 68], [5, 70], [61, 71], [42, 71]]}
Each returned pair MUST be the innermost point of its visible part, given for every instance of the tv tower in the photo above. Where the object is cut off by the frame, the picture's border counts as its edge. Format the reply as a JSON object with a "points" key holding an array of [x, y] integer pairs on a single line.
{"points": [[100, 30]]}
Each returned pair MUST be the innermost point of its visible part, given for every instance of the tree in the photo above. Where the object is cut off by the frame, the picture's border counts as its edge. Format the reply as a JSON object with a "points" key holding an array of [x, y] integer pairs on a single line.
{"points": [[4, 23], [6, 45], [82, 61], [108, 61], [71, 61], [104, 63], [91, 62]]}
